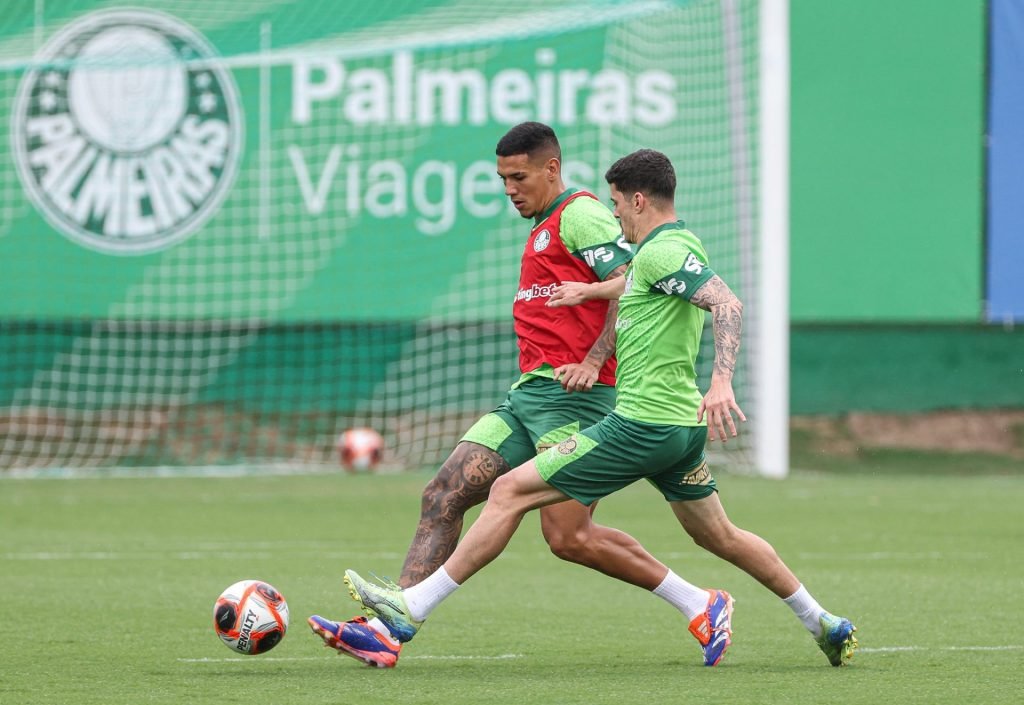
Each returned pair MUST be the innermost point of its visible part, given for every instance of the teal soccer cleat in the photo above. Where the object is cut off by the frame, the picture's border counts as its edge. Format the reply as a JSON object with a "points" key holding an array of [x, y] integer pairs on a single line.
{"points": [[384, 600], [837, 640]]}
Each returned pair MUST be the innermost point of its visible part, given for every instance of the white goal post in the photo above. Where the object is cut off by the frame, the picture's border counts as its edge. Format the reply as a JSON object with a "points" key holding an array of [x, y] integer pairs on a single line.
{"points": [[772, 364]]}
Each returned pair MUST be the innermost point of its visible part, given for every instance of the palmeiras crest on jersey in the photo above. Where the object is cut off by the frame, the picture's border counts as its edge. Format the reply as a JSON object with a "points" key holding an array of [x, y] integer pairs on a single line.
{"points": [[127, 132], [540, 242]]}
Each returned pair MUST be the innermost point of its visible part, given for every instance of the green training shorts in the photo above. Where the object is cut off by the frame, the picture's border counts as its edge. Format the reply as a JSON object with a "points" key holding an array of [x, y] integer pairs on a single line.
{"points": [[617, 452], [538, 414]]}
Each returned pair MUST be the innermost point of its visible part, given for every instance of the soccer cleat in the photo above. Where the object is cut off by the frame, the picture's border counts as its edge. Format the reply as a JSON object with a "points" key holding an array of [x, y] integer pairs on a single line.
{"points": [[837, 639], [385, 601], [713, 627], [357, 639]]}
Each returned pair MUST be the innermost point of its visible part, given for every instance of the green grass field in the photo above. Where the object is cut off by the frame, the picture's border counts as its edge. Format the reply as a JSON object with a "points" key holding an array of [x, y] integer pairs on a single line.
{"points": [[109, 584]]}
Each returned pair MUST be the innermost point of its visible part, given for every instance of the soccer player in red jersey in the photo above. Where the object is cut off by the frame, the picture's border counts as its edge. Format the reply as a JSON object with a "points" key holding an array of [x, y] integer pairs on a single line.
{"points": [[574, 237]]}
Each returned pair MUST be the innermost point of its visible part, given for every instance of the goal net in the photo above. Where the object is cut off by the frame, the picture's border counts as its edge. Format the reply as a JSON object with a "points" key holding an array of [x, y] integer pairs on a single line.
{"points": [[229, 231]]}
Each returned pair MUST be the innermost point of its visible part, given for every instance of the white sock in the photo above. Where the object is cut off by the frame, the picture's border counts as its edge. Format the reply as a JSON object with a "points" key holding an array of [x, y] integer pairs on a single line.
{"points": [[807, 610], [380, 627], [421, 599], [688, 599]]}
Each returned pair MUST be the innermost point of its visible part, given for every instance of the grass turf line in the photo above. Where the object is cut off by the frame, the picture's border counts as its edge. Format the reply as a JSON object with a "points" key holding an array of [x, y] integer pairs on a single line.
{"points": [[110, 584]]}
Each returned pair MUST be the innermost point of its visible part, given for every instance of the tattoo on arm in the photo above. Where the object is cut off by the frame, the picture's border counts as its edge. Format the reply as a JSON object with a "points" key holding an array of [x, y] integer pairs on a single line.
{"points": [[728, 323], [604, 347], [617, 272], [727, 317]]}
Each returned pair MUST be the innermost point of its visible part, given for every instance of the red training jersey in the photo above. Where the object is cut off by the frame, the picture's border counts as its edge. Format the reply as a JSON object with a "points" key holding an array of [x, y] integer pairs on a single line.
{"points": [[562, 335]]}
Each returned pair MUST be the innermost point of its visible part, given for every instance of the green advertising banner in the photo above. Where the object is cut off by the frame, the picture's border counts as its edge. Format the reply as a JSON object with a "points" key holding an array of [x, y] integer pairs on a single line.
{"points": [[305, 163], [230, 230]]}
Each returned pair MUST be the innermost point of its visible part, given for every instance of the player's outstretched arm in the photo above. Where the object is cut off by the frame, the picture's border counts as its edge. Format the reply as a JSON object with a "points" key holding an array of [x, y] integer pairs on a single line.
{"points": [[576, 293], [727, 318]]}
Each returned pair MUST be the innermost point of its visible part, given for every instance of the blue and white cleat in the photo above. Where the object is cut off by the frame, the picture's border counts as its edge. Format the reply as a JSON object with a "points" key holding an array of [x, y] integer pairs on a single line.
{"points": [[357, 639], [713, 627], [384, 600], [837, 640]]}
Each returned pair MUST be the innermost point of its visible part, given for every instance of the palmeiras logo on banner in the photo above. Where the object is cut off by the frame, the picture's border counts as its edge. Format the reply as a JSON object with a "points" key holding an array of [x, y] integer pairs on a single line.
{"points": [[127, 132]]}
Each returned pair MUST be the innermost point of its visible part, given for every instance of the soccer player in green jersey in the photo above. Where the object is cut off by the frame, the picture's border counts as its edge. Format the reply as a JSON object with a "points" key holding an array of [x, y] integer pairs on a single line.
{"points": [[657, 430], [568, 373]]}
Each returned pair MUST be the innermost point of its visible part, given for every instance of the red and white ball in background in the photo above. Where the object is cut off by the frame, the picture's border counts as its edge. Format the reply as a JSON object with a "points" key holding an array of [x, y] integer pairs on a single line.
{"points": [[360, 449], [250, 617]]}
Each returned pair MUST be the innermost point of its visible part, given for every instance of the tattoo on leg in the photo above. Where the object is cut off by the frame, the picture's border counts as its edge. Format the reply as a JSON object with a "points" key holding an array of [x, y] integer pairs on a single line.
{"points": [[462, 482]]}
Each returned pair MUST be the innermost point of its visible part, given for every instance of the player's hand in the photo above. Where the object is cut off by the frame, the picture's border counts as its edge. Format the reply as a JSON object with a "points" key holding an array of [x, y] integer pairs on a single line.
{"points": [[577, 376], [718, 404], [568, 294]]}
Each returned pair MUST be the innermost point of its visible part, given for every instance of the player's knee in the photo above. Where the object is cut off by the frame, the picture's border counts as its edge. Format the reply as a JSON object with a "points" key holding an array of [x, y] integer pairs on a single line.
{"points": [[569, 545], [463, 480], [719, 539], [506, 496], [503, 493], [434, 498], [441, 497]]}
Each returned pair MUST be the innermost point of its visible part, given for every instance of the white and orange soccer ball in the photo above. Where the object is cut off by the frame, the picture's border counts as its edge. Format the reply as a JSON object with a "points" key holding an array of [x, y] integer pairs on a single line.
{"points": [[360, 449], [250, 617]]}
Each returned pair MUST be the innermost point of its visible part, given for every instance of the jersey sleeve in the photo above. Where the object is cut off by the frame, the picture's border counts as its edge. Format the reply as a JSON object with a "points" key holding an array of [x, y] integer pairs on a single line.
{"points": [[671, 269], [591, 234]]}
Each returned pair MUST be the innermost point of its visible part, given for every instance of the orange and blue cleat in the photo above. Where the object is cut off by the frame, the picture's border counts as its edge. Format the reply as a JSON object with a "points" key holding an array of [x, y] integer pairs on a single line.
{"points": [[713, 627], [356, 638]]}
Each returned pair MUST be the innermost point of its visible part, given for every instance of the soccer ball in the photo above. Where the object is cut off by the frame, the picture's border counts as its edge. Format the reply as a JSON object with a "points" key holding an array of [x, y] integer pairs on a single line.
{"points": [[360, 449], [250, 617]]}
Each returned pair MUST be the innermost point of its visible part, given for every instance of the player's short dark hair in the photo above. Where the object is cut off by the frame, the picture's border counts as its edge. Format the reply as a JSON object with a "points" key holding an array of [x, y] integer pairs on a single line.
{"points": [[530, 138], [646, 171]]}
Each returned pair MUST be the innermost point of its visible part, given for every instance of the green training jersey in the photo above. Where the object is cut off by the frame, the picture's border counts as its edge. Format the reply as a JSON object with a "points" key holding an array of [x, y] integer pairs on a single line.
{"points": [[658, 330], [591, 234]]}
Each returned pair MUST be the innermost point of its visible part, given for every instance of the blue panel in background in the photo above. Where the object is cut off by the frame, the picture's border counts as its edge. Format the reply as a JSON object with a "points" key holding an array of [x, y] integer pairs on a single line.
{"points": [[1005, 256]]}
